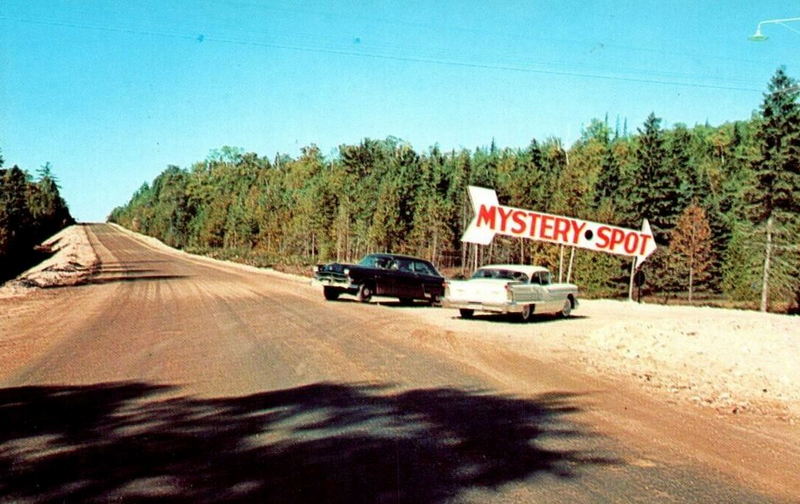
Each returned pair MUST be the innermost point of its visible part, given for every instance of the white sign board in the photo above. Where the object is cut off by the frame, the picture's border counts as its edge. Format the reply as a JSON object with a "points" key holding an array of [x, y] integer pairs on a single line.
{"points": [[492, 218]]}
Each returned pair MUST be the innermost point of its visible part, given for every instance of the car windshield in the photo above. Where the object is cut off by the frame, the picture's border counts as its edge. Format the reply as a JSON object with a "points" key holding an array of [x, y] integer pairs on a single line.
{"points": [[375, 261], [501, 274]]}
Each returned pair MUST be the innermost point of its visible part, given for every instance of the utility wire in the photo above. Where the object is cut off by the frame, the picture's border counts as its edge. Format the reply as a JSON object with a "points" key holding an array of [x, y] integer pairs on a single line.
{"points": [[389, 57], [511, 36]]}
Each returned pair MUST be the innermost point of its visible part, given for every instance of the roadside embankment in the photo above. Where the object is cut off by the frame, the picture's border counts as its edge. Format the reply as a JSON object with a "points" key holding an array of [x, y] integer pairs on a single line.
{"points": [[72, 262]]}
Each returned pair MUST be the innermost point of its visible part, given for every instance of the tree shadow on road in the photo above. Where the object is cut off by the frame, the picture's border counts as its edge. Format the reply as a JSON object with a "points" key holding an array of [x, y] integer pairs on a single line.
{"points": [[134, 277], [318, 443]]}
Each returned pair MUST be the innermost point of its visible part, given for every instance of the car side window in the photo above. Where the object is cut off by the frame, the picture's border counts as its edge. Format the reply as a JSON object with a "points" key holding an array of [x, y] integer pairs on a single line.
{"points": [[401, 265], [421, 267], [373, 261], [520, 276]]}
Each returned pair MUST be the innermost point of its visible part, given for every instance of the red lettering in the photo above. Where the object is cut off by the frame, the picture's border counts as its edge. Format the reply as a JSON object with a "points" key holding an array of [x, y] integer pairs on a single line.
{"points": [[617, 235], [631, 245], [562, 228], [577, 230], [486, 215], [519, 224], [547, 226], [534, 219], [602, 236], [504, 215], [645, 238]]}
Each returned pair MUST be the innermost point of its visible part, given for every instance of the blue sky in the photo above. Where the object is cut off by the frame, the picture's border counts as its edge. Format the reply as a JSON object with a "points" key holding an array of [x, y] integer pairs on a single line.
{"points": [[111, 92]]}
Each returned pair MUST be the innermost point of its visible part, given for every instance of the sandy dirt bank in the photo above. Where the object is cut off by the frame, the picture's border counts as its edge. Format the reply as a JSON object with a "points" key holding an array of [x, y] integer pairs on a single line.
{"points": [[72, 263]]}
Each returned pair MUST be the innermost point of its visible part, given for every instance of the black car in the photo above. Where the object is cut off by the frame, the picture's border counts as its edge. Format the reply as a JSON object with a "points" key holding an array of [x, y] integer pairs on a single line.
{"points": [[404, 277]]}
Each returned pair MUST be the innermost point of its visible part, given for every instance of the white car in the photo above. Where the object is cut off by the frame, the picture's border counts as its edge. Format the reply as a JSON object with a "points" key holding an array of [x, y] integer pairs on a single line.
{"points": [[511, 288]]}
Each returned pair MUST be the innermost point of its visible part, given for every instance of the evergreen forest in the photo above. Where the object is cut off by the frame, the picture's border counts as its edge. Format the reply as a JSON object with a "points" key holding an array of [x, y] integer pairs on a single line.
{"points": [[30, 212], [723, 203]]}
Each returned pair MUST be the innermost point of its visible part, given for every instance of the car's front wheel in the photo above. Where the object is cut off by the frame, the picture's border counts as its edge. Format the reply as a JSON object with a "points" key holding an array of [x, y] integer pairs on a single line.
{"points": [[365, 293], [466, 313], [331, 293]]}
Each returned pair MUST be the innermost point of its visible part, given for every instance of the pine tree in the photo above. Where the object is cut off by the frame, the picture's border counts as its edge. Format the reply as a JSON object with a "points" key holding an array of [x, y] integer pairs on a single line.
{"points": [[664, 272], [690, 241], [15, 214], [774, 197], [679, 161], [654, 195]]}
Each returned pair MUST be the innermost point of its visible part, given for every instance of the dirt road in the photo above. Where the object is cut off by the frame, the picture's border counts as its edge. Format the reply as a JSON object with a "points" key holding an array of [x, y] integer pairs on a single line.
{"points": [[176, 378]]}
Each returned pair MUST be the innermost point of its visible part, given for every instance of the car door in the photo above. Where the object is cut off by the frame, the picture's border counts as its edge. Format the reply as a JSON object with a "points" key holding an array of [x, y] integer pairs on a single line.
{"points": [[552, 301], [539, 291], [524, 290], [403, 279], [429, 282], [382, 276]]}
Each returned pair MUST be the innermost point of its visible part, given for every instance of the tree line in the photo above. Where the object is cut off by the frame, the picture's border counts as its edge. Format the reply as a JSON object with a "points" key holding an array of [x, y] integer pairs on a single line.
{"points": [[723, 202], [30, 212]]}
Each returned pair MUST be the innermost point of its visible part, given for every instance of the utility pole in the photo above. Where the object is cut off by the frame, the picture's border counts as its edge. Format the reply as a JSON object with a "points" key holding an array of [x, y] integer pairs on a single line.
{"points": [[765, 280]]}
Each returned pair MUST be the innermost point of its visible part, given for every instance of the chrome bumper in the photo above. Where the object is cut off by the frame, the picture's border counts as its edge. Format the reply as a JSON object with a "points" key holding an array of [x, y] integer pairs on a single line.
{"points": [[487, 307], [333, 282]]}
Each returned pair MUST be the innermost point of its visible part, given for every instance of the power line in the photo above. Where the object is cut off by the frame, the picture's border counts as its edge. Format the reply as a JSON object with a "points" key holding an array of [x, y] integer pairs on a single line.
{"points": [[508, 35], [203, 38]]}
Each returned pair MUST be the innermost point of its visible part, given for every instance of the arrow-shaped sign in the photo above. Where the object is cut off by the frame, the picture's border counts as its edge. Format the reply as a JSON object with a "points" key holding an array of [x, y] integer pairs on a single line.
{"points": [[493, 218]]}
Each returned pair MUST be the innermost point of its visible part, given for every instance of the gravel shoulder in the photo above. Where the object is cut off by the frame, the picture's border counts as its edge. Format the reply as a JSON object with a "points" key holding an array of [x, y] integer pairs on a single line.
{"points": [[736, 362]]}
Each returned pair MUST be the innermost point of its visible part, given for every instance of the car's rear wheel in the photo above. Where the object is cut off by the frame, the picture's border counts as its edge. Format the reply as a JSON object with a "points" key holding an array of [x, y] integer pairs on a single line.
{"points": [[527, 313], [365, 293], [567, 308], [466, 313], [331, 293]]}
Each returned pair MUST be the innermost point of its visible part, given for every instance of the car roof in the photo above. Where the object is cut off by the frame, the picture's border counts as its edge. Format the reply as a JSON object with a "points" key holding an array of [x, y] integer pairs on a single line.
{"points": [[398, 256], [522, 268]]}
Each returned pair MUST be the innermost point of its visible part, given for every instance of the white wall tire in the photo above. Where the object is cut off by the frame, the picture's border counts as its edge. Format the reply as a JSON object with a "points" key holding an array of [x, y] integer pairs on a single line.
{"points": [[365, 293], [566, 310], [526, 314]]}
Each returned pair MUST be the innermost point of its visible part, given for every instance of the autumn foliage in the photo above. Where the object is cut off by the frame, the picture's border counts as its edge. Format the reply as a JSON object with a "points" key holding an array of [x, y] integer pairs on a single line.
{"points": [[690, 242]]}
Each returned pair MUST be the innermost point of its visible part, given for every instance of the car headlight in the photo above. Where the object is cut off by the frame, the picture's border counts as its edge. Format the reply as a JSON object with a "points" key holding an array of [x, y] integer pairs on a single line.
{"points": [[346, 271]]}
